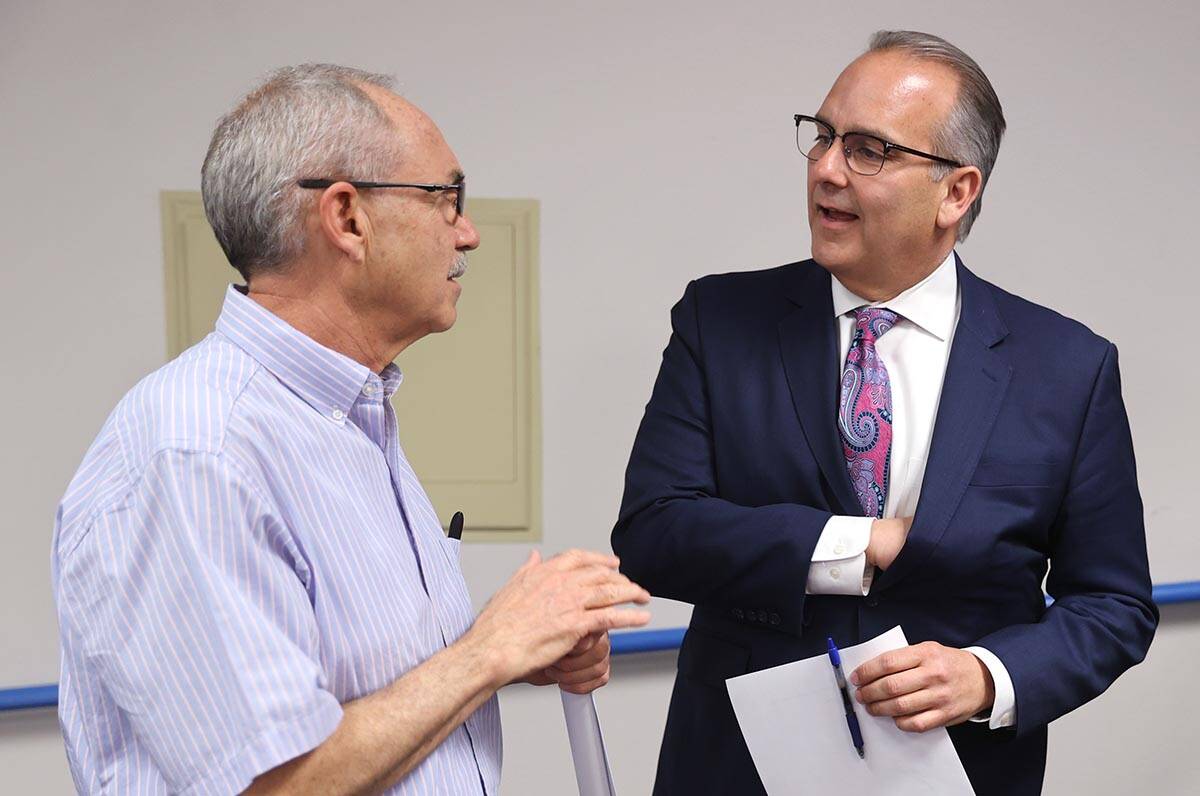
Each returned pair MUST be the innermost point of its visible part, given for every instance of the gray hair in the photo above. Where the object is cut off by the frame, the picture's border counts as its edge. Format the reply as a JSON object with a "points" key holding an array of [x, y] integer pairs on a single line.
{"points": [[313, 120], [972, 130]]}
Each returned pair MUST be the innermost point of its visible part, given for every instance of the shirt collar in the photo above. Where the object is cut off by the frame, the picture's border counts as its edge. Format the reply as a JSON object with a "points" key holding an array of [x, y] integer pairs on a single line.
{"points": [[328, 381], [929, 304]]}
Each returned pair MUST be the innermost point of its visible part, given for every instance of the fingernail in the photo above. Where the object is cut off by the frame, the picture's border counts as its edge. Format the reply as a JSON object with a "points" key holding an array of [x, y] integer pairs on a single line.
{"points": [[854, 678]]}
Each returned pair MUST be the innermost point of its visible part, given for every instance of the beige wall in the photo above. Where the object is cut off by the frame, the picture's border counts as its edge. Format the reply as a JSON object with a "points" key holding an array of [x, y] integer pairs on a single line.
{"points": [[657, 138]]}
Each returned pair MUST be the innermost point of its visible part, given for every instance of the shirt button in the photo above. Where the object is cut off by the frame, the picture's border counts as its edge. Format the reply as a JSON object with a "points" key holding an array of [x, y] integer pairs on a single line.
{"points": [[835, 573], [839, 549], [338, 414]]}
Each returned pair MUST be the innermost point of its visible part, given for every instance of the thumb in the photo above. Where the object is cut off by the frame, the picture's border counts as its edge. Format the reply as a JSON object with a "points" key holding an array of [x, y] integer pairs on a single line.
{"points": [[534, 559]]}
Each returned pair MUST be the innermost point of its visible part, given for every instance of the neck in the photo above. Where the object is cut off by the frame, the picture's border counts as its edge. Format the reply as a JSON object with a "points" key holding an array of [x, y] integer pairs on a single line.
{"points": [[323, 313], [884, 284]]}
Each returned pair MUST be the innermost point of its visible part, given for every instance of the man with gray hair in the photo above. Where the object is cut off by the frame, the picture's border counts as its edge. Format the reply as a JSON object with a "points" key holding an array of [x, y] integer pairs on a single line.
{"points": [[254, 592], [878, 437]]}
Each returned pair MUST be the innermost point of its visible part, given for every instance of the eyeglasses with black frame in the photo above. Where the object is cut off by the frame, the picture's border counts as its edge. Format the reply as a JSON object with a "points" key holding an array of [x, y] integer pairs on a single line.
{"points": [[865, 153], [460, 188]]}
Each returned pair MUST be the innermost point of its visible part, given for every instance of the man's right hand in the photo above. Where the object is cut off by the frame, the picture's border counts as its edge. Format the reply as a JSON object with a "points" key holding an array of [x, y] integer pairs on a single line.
{"points": [[887, 539], [547, 607]]}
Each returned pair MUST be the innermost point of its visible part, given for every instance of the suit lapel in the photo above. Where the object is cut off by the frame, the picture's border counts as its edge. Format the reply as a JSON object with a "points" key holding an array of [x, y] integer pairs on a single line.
{"points": [[977, 376], [808, 345]]}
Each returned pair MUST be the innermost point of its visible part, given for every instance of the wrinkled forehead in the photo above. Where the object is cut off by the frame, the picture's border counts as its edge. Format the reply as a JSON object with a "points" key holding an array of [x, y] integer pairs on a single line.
{"points": [[891, 94]]}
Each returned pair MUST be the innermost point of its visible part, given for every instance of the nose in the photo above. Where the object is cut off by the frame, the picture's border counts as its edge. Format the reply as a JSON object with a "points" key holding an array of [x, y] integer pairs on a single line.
{"points": [[831, 167], [468, 235]]}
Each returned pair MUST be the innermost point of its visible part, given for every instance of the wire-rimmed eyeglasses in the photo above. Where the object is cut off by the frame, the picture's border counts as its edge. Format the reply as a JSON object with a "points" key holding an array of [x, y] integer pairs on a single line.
{"points": [[865, 153]]}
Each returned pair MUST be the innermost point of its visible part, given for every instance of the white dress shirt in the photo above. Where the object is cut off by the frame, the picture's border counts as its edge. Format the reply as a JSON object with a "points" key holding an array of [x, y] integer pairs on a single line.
{"points": [[915, 352]]}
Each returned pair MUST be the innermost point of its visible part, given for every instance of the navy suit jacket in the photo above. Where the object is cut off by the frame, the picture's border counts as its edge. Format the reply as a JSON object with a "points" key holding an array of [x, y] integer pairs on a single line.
{"points": [[737, 466]]}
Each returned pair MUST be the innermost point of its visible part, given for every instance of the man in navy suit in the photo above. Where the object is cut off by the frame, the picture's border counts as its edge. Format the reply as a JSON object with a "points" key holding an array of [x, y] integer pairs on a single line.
{"points": [[878, 437]]}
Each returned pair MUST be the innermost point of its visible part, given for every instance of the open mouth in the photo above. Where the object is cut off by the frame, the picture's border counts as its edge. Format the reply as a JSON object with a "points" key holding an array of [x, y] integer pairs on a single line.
{"points": [[835, 215]]}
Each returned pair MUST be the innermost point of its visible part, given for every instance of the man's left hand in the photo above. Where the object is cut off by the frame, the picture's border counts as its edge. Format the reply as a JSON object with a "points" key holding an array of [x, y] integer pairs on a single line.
{"points": [[925, 686], [582, 670]]}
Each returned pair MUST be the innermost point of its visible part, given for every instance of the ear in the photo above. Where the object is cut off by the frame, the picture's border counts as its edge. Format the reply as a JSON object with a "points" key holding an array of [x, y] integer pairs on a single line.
{"points": [[962, 189], [342, 221]]}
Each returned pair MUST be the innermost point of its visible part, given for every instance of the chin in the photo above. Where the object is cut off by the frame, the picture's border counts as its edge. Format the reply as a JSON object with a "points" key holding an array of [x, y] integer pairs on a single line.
{"points": [[835, 259], [444, 321]]}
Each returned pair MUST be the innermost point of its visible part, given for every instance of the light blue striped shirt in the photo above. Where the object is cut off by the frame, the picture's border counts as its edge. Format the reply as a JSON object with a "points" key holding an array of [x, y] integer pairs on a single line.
{"points": [[243, 549]]}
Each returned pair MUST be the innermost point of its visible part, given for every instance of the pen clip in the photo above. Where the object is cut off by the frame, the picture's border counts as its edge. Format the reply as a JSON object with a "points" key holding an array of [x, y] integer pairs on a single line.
{"points": [[834, 655]]}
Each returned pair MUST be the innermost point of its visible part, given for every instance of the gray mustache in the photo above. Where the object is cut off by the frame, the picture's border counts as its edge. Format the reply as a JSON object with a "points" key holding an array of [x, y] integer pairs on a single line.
{"points": [[460, 266]]}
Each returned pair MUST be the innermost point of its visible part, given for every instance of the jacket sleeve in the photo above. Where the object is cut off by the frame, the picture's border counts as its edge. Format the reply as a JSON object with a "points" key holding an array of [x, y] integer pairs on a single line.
{"points": [[1103, 616], [675, 535]]}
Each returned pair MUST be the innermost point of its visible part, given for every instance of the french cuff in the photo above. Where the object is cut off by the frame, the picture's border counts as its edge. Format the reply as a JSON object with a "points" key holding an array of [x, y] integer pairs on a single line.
{"points": [[1004, 709], [839, 561]]}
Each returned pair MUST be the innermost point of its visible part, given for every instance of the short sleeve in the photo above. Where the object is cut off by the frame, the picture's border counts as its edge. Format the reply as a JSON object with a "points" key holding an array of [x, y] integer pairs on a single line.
{"points": [[189, 602]]}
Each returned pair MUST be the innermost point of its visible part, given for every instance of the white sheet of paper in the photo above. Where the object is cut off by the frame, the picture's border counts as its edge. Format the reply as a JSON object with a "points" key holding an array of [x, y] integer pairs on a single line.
{"points": [[592, 771], [795, 726]]}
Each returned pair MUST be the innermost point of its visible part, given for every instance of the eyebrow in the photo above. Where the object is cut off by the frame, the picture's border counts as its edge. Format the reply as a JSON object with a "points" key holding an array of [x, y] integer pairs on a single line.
{"points": [[456, 177], [865, 130]]}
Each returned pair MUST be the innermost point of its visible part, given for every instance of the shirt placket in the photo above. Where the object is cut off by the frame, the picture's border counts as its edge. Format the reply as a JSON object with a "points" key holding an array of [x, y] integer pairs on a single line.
{"points": [[429, 558], [378, 423], [429, 564]]}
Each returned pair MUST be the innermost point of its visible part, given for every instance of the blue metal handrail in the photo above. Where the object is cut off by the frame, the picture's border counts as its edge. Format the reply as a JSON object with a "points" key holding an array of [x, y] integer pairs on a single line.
{"points": [[625, 643], [32, 696]]}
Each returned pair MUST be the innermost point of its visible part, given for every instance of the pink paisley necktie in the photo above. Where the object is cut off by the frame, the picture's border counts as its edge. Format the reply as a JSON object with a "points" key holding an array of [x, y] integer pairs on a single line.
{"points": [[865, 410]]}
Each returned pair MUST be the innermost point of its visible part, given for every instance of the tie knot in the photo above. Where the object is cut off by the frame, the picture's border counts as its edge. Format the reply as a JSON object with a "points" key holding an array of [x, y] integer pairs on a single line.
{"points": [[874, 322]]}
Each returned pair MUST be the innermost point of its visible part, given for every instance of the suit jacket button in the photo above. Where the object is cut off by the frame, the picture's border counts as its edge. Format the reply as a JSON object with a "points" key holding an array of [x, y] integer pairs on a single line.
{"points": [[872, 600], [737, 613], [762, 616], [774, 619]]}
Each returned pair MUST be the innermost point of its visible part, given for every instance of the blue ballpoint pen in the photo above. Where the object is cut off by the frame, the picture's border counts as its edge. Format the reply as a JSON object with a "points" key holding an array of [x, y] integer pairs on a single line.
{"points": [[847, 703]]}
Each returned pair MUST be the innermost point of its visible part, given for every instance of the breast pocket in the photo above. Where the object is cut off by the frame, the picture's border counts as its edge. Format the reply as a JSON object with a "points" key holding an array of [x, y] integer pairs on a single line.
{"points": [[453, 548], [1028, 474]]}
